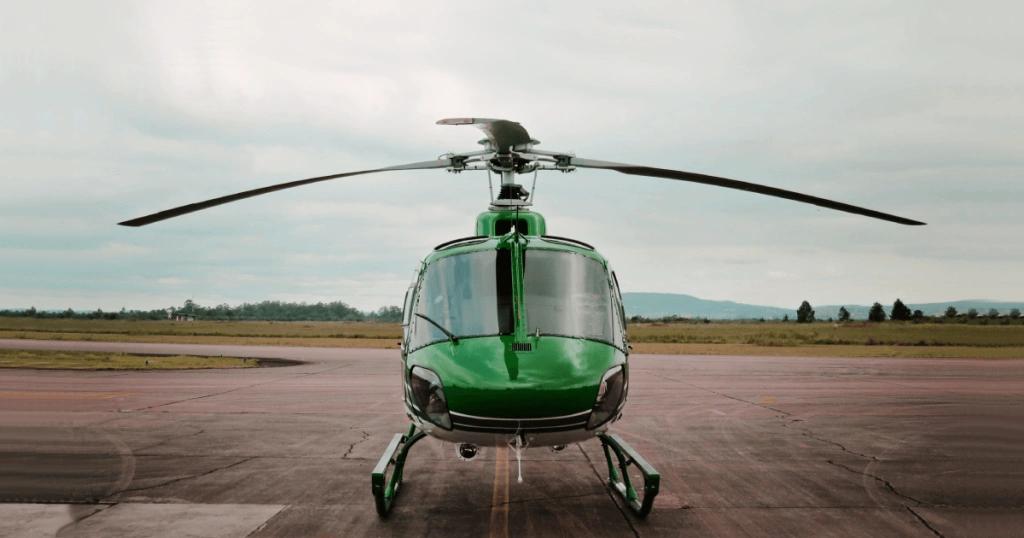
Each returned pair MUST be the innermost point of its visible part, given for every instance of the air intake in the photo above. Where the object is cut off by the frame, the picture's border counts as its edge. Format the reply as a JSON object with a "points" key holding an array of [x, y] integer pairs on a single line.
{"points": [[522, 346]]}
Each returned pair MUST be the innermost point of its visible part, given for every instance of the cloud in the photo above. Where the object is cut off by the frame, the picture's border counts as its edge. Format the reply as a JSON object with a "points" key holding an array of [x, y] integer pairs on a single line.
{"points": [[172, 281], [116, 111]]}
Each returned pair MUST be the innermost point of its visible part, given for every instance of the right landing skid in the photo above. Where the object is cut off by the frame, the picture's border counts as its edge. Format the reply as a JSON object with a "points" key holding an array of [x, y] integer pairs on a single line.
{"points": [[618, 475]]}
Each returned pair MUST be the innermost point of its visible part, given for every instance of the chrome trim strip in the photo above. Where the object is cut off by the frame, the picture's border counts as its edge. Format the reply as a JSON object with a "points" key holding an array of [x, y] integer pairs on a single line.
{"points": [[454, 414], [570, 425]]}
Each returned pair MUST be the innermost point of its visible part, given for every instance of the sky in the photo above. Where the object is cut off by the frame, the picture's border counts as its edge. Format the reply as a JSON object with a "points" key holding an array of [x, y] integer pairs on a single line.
{"points": [[113, 110]]}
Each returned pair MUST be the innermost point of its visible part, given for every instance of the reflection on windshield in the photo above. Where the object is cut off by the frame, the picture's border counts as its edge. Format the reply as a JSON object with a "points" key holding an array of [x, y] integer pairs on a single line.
{"points": [[567, 294], [468, 294]]}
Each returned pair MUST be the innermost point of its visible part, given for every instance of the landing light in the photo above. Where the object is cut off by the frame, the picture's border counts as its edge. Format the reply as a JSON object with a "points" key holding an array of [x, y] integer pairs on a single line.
{"points": [[610, 394], [428, 396]]}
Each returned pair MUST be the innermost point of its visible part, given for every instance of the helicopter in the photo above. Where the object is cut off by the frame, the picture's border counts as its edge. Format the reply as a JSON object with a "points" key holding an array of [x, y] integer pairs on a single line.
{"points": [[512, 336]]}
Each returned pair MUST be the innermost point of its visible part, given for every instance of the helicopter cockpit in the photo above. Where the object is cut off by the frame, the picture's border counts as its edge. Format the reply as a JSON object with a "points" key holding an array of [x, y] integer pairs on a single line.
{"points": [[472, 294]]}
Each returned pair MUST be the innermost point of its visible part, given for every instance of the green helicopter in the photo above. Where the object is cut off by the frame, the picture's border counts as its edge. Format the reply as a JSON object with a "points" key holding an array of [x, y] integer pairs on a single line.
{"points": [[514, 337]]}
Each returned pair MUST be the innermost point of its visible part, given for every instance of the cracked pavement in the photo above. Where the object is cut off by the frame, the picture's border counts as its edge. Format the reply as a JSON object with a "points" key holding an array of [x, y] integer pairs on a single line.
{"points": [[746, 446]]}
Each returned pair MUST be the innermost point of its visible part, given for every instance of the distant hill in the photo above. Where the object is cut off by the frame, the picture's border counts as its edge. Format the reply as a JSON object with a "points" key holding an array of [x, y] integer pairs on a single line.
{"points": [[656, 305]]}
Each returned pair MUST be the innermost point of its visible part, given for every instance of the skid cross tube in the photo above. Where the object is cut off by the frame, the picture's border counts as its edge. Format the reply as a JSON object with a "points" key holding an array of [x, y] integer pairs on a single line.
{"points": [[385, 490], [618, 479]]}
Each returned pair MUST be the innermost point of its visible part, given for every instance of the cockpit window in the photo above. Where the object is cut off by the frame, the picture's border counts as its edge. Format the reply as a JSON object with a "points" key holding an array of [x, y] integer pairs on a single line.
{"points": [[471, 294], [567, 294], [468, 294]]}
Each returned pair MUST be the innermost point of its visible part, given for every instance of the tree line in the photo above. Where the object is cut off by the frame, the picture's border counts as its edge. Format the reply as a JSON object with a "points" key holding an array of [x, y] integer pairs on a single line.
{"points": [[262, 311], [901, 312], [877, 313]]}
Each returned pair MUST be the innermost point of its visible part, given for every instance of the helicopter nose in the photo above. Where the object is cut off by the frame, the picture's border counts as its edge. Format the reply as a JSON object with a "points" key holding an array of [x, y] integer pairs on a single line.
{"points": [[488, 377]]}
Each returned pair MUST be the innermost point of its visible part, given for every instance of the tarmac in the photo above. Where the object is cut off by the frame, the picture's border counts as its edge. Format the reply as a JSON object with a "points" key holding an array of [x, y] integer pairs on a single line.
{"points": [[746, 446]]}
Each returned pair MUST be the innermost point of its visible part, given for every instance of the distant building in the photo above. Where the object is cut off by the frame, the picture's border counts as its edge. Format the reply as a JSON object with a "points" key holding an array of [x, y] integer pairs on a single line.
{"points": [[179, 316]]}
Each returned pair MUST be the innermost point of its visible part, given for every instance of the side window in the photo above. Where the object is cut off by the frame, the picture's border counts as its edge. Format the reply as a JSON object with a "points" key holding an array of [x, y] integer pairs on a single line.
{"points": [[619, 314], [407, 308]]}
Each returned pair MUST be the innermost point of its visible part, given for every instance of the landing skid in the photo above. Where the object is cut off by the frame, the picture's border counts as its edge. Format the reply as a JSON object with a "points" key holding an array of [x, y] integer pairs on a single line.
{"points": [[385, 489], [618, 480]]}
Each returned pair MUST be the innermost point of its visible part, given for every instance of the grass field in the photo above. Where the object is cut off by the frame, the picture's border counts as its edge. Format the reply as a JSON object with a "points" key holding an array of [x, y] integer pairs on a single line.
{"points": [[851, 333], [16, 358], [856, 339]]}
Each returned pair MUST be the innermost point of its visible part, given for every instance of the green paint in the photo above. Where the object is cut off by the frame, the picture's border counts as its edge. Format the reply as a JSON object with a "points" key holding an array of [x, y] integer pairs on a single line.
{"points": [[516, 243], [487, 222], [483, 376]]}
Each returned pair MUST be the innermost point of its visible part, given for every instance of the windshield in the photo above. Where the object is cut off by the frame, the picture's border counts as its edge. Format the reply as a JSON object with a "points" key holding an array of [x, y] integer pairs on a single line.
{"points": [[468, 294], [568, 295]]}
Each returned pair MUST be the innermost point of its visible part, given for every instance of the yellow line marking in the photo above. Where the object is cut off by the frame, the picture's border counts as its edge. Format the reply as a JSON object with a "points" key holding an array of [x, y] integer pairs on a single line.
{"points": [[499, 495]]}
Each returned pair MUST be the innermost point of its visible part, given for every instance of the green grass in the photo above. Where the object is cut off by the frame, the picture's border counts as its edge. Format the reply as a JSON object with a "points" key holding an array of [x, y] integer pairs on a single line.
{"points": [[16, 358]]}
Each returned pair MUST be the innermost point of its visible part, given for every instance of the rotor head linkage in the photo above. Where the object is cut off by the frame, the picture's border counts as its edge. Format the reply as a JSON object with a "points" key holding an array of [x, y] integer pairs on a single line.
{"points": [[512, 195]]}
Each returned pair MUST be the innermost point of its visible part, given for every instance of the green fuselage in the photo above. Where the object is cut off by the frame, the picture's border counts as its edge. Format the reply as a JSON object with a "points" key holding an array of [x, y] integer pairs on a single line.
{"points": [[521, 330]]}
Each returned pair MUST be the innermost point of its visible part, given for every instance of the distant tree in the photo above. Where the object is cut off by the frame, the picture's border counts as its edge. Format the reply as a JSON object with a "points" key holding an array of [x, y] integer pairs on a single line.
{"points": [[844, 314], [266, 310], [951, 312], [972, 313], [877, 313], [785, 318], [805, 314], [387, 313], [917, 315], [31, 312], [993, 313], [1015, 313], [900, 311]]}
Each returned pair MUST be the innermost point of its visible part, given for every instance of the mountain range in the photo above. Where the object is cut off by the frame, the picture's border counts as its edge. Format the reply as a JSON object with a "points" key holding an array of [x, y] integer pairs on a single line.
{"points": [[657, 305]]}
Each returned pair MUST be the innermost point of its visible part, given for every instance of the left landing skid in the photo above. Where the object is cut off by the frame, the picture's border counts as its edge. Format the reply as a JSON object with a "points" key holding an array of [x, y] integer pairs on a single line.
{"points": [[384, 489]]}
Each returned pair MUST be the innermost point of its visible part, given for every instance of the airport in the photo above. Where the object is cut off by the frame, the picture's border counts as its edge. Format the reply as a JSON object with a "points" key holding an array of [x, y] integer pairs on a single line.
{"points": [[745, 446]]}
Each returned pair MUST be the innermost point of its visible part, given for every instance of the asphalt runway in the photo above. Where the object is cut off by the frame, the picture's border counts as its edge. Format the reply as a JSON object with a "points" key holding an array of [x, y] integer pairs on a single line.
{"points": [[747, 446]]}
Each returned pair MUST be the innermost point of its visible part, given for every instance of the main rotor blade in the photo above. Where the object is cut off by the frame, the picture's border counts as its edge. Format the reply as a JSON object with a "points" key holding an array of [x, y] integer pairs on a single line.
{"points": [[189, 208], [503, 134], [636, 170]]}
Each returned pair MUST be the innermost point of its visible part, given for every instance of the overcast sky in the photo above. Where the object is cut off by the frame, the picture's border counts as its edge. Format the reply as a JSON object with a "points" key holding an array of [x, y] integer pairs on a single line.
{"points": [[114, 110]]}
